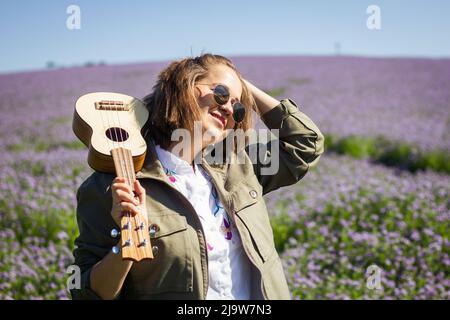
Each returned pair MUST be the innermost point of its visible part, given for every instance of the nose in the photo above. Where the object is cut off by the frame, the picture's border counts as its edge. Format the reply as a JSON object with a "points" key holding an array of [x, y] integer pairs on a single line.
{"points": [[227, 108]]}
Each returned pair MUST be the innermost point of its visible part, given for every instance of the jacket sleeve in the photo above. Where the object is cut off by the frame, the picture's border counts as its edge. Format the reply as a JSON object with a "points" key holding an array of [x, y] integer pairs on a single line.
{"points": [[94, 224], [299, 142]]}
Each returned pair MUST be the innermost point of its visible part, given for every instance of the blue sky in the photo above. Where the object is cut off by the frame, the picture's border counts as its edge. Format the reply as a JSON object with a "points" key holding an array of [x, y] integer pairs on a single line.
{"points": [[34, 32]]}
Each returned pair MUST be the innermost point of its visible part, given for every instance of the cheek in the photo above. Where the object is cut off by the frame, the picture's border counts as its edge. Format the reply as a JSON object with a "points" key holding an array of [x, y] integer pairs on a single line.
{"points": [[207, 120], [230, 122], [204, 108], [205, 100]]}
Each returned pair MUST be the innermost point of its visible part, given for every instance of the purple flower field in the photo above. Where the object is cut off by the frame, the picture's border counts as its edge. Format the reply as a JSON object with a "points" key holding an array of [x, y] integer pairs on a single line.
{"points": [[402, 99], [348, 214], [344, 216]]}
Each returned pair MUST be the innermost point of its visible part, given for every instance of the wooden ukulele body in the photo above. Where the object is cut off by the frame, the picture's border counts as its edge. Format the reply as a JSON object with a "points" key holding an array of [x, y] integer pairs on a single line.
{"points": [[94, 123]]}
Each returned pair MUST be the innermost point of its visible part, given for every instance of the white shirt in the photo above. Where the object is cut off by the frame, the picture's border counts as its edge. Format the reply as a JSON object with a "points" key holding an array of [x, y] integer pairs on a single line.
{"points": [[229, 266]]}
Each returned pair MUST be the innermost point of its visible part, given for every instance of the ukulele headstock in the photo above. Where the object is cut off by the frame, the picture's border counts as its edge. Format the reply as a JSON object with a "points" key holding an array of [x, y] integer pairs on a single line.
{"points": [[135, 240]]}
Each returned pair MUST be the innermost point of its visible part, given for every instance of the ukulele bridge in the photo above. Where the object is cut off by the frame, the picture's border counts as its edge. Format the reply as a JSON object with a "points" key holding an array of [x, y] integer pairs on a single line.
{"points": [[112, 105]]}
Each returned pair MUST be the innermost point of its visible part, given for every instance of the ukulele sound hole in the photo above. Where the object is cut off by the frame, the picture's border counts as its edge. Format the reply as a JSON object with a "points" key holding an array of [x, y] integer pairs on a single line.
{"points": [[117, 134]]}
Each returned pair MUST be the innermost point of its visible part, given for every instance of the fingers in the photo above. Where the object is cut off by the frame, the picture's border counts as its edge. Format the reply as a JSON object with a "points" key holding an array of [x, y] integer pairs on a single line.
{"points": [[140, 192], [124, 207], [123, 196], [119, 183], [124, 200], [120, 190]]}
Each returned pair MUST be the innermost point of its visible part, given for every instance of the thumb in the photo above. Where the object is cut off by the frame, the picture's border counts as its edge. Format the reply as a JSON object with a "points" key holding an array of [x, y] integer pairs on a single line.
{"points": [[140, 191]]}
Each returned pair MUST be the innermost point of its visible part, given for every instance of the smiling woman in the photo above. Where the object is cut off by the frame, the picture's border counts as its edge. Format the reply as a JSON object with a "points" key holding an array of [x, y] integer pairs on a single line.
{"points": [[210, 232], [196, 81]]}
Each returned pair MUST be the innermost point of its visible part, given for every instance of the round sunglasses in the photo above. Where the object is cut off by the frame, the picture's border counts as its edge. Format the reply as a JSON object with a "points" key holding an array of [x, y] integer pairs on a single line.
{"points": [[222, 95]]}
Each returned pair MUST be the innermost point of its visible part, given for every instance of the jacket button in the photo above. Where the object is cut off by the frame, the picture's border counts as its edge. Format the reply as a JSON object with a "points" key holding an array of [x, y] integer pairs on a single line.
{"points": [[155, 251], [152, 230], [253, 194]]}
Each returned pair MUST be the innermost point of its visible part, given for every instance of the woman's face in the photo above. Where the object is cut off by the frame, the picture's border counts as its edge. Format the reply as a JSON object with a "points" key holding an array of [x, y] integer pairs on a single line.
{"points": [[215, 119]]}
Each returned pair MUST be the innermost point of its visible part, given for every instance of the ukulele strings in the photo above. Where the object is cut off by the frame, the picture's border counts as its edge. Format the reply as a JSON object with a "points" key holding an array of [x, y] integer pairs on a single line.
{"points": [[113, 137], [129, 175], [116, 129], [137, 218]]}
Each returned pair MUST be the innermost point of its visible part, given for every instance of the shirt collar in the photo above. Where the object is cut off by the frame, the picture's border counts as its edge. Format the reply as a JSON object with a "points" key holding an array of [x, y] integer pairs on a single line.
{"points": [[173, 163], [152, 167]]}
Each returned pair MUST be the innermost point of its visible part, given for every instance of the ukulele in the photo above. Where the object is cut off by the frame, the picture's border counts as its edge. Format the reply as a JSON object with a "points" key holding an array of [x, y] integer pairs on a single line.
{"points": [[110, 125]]}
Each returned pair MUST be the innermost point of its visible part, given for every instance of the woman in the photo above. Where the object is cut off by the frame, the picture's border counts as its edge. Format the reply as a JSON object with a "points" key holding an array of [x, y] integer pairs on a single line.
{"points": [[209, 226]]}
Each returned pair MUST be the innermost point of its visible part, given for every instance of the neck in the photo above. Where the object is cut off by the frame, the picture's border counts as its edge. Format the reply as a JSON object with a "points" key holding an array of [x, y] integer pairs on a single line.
{"points": [[185, 151]]}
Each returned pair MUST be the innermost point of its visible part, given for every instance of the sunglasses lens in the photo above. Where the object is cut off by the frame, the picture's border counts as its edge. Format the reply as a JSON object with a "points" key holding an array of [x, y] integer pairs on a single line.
{"points": [[238, 112], [221, 94]]}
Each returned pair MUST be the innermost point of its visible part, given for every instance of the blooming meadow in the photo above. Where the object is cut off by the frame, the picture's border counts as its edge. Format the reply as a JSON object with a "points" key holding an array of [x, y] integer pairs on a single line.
{"points": [[350, 214], [345, 215]]}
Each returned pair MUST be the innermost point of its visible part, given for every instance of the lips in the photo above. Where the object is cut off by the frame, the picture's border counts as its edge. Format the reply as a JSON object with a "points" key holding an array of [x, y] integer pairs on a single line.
{"points": [[218, 116]]}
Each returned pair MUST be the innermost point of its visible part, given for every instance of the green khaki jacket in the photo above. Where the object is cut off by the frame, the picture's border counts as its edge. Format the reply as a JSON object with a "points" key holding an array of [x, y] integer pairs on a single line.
{"points": [[180, 267]]}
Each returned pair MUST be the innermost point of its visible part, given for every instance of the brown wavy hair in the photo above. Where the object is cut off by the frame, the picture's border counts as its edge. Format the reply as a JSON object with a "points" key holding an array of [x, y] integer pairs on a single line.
{"points": [[173, 104]]}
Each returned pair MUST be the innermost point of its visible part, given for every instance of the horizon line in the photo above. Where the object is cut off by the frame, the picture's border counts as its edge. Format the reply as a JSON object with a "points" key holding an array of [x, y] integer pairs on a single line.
{"points": [[103, 62]]}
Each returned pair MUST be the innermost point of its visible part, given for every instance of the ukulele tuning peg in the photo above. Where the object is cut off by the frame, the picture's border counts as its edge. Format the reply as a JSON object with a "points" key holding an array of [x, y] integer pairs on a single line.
{"points": [[116, 249], [115, 233]]}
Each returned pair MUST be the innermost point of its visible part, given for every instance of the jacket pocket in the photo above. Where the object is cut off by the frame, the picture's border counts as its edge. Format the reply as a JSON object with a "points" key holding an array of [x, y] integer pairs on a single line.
{"points": [[171, 269], [250, 208]]}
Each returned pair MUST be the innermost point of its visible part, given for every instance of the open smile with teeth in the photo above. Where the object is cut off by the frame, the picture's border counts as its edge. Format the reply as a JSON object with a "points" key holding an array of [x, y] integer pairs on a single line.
{"points": [[219, 117]]}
